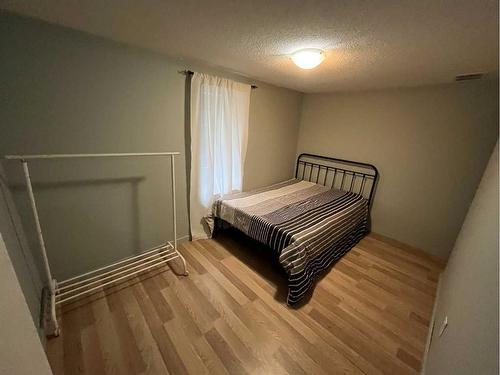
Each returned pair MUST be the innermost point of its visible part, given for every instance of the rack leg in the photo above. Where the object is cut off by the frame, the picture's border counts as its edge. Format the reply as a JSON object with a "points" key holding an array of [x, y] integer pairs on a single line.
{"points": [[186, 272], [174, 213], [51, 325]]}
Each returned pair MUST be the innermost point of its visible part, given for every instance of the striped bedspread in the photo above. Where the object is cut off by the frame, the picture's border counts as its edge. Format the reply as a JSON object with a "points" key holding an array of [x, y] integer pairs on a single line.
{"points": [[309, 226]]}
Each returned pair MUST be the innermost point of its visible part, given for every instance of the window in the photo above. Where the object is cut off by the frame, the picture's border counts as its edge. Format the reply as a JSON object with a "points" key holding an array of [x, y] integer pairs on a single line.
{"points": [[219, 135]]}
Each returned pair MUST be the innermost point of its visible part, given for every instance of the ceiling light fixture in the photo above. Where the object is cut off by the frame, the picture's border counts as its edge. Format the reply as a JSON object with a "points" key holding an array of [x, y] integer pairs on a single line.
{"points": [[308, 58]]}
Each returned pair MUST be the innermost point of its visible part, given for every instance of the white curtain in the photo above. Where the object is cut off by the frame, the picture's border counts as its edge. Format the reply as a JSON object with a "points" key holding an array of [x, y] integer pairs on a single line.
{"points": [[219, 135]]}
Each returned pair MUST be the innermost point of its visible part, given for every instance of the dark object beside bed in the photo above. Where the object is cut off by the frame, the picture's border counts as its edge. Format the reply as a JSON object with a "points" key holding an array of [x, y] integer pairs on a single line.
{"points": [[311, 221]]}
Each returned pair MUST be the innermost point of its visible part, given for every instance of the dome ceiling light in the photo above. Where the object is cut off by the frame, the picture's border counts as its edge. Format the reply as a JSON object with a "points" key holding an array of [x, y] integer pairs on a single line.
{"points": [[308, 58]]}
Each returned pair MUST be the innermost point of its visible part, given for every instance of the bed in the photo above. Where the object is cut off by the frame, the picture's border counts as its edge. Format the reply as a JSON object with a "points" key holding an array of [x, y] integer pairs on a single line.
{"points": [[310, 221]]}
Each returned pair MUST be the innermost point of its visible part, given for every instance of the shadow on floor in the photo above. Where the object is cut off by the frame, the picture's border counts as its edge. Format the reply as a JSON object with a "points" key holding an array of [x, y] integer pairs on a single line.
{"points": [[262, 260]]}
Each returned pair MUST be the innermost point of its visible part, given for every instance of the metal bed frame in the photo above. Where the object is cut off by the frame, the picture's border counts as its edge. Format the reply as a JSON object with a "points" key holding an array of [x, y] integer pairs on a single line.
{"points": [[346, 175], [60, 292]]}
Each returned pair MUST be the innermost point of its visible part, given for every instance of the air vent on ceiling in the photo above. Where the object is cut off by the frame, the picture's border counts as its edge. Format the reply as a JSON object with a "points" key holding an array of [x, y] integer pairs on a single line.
{"points": [[468, 77]]}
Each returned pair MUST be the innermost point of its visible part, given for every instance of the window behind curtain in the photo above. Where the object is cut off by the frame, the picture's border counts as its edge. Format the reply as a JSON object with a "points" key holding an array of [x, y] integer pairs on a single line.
{"points": [[219, 135]]}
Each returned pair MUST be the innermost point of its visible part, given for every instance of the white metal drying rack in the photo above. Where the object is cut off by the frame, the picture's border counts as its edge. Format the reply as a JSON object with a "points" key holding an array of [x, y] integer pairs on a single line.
{"points": [[92, 281]]}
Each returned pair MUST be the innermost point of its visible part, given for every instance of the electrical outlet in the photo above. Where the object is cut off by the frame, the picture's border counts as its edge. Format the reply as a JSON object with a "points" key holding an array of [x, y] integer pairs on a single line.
{"points": [[443, 326]]}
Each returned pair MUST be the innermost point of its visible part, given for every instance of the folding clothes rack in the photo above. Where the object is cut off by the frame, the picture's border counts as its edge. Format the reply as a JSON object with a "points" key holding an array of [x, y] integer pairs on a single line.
{"points": [[92, 281]]}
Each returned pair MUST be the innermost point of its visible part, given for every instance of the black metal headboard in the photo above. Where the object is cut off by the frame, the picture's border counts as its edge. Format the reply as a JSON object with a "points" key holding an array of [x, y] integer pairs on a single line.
{"points": [[346, 175]]}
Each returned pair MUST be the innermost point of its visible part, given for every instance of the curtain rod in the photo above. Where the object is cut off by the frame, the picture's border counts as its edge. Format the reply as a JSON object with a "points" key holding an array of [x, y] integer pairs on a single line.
{"points": [[190, 73]]}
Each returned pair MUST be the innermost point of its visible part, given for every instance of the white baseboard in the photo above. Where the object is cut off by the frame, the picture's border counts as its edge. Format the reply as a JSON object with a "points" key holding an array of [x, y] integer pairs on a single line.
{"points": [[431, 327], [183, 238]]}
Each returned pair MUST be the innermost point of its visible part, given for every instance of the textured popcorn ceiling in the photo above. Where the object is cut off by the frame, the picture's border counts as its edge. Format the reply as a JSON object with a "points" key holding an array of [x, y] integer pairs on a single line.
{"points": [[369, 44]]}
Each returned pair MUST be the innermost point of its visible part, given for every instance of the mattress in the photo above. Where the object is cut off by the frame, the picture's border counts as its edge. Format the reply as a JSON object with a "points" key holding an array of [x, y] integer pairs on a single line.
{"points": [[308, 226]]}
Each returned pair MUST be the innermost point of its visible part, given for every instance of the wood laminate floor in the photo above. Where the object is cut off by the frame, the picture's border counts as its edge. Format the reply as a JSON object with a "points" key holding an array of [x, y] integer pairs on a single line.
{"points": [[368, 315]]}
